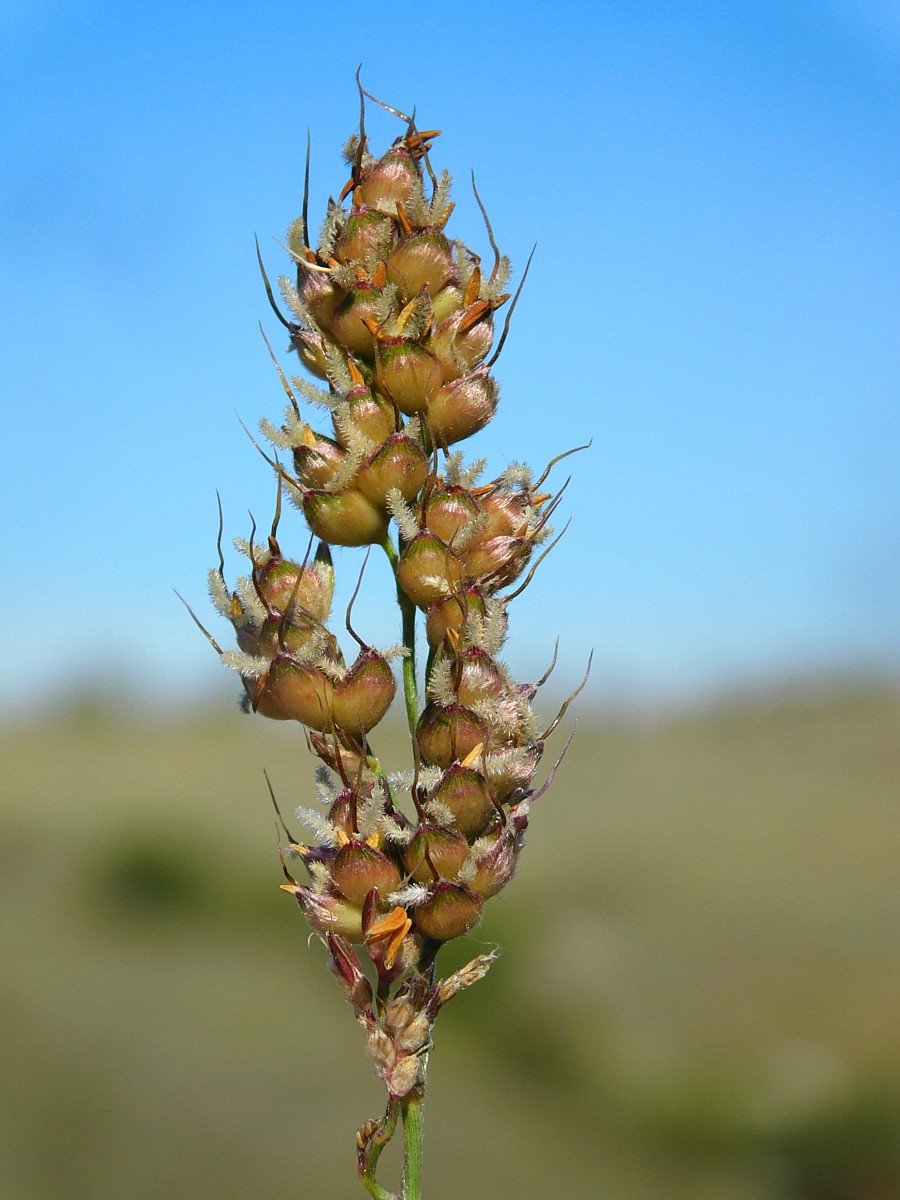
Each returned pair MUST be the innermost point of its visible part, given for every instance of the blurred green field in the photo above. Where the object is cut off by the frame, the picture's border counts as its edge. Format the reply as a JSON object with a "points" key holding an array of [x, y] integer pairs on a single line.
{"points": [[698, 995]]}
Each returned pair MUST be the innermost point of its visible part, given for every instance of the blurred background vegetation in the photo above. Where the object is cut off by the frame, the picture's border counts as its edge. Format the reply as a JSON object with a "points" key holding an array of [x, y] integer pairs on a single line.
{"points": [[697, 995]]}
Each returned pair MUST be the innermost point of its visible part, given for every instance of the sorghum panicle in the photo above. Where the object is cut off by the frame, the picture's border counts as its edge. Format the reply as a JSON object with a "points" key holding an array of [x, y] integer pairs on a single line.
{"points": [[397, 320]]}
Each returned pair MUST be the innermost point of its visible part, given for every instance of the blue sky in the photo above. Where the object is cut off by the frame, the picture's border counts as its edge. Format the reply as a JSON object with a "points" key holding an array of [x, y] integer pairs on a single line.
{"points": [[714, 300]]}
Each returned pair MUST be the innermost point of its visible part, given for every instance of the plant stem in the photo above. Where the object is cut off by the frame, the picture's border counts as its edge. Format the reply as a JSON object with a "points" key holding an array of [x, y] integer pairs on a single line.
{"points": [[376, 1144], [408, 612], [412, 1144]]}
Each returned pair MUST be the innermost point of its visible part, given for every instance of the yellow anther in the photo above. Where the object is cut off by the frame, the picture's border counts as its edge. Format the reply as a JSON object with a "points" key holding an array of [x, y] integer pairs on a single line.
{"points": [[473, 314], [473, 756], [446, 214], [403, 218], [391, 928], [473, 288], [405, 314]]}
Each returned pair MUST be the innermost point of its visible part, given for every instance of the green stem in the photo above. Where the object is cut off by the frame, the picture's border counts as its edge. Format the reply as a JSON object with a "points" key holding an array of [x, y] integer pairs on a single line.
{"points": [[408, 612], [412, 1145], [375, 1146]]}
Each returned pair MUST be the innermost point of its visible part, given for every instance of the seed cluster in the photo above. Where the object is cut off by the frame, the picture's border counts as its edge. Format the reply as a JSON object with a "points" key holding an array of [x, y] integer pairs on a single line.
{"points": [[397, 321]]}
